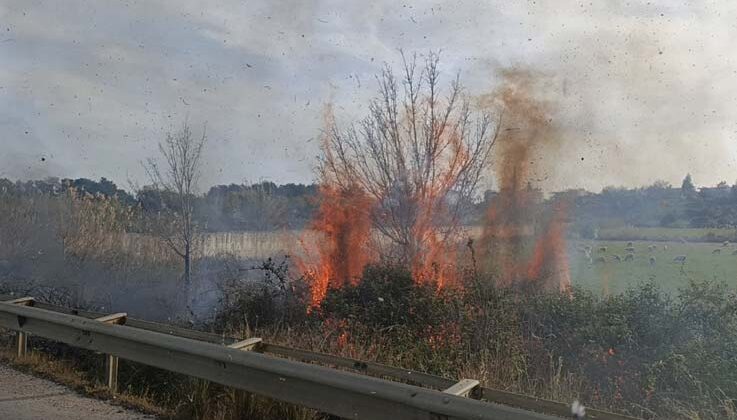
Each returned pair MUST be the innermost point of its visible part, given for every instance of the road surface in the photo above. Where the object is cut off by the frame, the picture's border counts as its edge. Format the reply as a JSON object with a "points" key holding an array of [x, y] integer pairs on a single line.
{"points": [[25, 397]]}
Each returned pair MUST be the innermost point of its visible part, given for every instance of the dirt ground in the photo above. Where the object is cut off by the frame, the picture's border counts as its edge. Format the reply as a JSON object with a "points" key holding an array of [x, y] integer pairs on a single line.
{"points": [[25, 397]]}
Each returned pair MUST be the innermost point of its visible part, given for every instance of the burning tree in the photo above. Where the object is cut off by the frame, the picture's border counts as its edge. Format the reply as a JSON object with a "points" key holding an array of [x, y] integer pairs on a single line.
{"points": [[412, 164]]}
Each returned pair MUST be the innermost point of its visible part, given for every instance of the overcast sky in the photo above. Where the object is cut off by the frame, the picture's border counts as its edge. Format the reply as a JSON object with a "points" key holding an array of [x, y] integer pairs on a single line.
{"points": [[644, 90]]}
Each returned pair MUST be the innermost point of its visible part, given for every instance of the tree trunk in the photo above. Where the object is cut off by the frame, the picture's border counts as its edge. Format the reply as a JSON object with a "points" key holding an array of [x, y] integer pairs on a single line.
{"points": [[187, 268]]}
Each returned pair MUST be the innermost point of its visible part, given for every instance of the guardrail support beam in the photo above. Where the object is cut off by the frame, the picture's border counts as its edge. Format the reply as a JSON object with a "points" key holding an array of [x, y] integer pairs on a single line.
{"points": [[247, 344], [463, 388], [118, 318], [26, 301]]}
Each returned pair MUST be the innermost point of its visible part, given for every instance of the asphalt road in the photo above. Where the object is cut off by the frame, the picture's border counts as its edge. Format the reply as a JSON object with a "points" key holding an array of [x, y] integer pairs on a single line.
{"points": [[25, 397]]}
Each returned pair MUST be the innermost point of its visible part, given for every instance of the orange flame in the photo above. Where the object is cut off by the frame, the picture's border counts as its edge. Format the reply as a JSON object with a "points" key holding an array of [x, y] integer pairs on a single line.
{"points": [[341, 250], [549, 262]]}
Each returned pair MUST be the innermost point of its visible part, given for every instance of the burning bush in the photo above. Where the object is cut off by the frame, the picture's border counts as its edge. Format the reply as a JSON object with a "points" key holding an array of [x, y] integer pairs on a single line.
{"points": [[415, 160]]}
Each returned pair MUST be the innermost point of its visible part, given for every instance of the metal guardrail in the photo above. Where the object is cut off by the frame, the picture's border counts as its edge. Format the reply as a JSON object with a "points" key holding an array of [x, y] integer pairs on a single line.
{"points": [[222, 360]]}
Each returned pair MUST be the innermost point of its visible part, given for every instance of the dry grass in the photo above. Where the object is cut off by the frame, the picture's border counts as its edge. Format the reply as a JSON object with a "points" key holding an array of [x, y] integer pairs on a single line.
{"points": [[66, 373]]}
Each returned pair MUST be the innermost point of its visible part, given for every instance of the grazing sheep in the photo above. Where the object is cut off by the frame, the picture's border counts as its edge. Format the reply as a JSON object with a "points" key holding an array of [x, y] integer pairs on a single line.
{"points": [[602, 249], [629, 257], [652, 260], [629, 244], [600, 259], [617, 258], [680, 258], [665, 247], [630, 249], [651, 248], [726, 243], [716, 251]]}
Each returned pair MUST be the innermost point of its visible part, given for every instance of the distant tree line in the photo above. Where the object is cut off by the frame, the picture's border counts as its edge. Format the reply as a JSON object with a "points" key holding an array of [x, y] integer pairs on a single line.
{"points": [[259, 206], [658, 205], [267, 205]]}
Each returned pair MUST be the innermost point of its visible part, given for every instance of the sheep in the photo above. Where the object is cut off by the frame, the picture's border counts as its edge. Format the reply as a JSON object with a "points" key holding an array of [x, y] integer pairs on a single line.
{"points": [[600, 259], [716, 251], [629, 257], [726, 243], [602, 249], [617, 258], [629, 244], [665, 247], [651, 248], [630, 249], [652, 260], [680, 258], [683, 241]]}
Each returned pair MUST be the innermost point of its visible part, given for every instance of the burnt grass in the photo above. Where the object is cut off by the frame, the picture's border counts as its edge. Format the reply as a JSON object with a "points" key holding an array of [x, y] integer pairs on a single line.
{"points": [[643, 352]]}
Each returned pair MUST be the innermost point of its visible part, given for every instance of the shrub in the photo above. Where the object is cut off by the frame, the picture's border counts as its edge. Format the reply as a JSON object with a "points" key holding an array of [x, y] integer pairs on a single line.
{"points": [[387, 296]]}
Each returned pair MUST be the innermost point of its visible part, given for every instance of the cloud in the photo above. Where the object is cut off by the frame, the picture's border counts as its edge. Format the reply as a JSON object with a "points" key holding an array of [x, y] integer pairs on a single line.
{"points": [[645, 90]]}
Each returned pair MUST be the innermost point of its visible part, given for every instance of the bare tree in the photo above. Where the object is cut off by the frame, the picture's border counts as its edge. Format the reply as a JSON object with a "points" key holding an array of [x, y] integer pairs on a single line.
{"points": [[419, 154], [177, 178]]}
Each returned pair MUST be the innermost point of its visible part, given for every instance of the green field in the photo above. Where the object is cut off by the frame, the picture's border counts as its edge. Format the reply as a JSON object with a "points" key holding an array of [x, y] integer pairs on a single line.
{"points": [[614, 277], [668, 234]]}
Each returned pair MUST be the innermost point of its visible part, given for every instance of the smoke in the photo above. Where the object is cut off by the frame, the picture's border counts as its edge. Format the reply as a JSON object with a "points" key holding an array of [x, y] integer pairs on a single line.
{"points": [[524, 158], [530, 132], [642, 90]]}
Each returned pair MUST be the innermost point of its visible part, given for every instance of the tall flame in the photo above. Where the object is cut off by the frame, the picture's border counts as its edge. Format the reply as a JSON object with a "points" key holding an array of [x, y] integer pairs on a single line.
{"points": [[549, 262], [513, 219], [339, 252]]}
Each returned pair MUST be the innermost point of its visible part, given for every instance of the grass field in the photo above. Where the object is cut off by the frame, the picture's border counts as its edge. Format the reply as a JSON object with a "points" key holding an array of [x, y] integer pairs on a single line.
{"points": [[614, 277], [668, 234], [611, 277]]}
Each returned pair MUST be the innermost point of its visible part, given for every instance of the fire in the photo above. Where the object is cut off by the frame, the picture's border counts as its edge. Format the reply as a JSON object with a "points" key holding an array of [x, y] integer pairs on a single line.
{"points": [[405, 199], [512, 220], [341, 249], [549, 260]]}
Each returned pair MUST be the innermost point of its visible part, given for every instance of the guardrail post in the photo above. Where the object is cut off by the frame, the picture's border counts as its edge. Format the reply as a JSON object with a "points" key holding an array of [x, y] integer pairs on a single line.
{"points": [[21, 338], [111, 372], [249, 344], [112, 362]]}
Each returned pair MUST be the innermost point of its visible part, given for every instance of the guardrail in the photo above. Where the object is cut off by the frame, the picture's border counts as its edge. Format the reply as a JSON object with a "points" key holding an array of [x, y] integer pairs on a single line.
{"points": [[265, 370]]}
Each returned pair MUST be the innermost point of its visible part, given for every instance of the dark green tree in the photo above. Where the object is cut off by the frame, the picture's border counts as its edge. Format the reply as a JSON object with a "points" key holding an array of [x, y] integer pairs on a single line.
{"points": [[687, 187]]}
